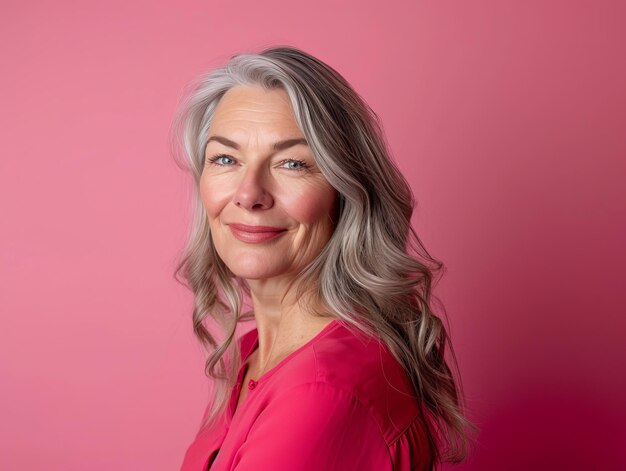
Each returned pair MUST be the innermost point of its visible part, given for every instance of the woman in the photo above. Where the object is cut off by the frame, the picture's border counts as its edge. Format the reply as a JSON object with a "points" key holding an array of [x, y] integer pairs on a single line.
{"points": [[300, 207]]}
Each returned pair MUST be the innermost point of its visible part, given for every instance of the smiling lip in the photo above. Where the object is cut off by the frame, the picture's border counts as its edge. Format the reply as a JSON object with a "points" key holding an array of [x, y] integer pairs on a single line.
{"points": [[255, 234]]}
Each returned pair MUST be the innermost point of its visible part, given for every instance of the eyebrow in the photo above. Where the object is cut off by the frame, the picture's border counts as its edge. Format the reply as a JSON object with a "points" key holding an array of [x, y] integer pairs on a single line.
{"points": [[280, 145]]}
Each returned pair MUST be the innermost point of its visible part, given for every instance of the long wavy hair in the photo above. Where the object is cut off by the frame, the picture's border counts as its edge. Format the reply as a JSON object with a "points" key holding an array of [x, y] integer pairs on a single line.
{"points": [[374, 274]]}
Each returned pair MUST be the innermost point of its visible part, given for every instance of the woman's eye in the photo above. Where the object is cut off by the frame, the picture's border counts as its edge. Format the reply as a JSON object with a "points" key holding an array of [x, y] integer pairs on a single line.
{"points": [[216, 159], [301, 164]]}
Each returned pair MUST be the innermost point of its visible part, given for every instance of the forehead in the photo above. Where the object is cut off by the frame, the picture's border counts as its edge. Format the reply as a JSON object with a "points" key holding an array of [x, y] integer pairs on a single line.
{"points": [[254, 104]]}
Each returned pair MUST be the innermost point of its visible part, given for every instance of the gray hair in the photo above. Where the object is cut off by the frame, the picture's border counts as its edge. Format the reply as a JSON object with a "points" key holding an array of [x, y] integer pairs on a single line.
{"points": [[374, 274]]}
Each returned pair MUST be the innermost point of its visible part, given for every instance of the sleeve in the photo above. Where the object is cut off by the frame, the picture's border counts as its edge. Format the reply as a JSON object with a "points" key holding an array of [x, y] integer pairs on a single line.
{"points": [[314, 426]]}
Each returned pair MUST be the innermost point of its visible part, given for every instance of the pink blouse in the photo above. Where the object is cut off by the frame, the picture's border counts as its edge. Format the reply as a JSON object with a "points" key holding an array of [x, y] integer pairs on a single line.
{"points": [[339, 402]]}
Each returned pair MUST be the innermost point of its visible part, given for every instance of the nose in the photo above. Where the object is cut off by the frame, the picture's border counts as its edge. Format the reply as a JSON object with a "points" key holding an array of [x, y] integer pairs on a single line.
{"points": [[252, 192]]}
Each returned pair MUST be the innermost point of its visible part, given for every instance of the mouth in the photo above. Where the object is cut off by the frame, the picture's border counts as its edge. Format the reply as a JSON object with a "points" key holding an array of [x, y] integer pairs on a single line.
{"points": [[255, 234]]}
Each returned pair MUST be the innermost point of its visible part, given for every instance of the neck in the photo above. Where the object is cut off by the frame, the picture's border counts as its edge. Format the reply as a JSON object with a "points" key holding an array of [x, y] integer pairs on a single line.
{"points": [[283, 323]]}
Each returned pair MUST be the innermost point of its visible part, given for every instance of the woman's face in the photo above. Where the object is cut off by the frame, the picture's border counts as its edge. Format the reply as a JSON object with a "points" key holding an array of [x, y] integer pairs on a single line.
{"points": [[259, 171]]}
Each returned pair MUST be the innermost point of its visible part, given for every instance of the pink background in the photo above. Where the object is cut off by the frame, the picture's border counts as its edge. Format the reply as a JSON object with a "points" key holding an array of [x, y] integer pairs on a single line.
{"points": [[507, 118]]}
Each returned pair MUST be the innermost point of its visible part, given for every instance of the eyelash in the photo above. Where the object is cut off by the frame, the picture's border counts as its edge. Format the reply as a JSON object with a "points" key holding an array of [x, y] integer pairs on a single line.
{"points": [[303, 164]]}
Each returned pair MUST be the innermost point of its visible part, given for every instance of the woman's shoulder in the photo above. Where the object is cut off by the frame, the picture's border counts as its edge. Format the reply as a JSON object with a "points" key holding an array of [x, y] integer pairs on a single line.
{"points": [[363, 366]]}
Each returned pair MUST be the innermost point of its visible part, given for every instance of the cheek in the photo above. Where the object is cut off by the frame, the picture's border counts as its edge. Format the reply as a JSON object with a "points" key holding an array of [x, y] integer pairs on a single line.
{"points": [[214, 197], [312, 206]]}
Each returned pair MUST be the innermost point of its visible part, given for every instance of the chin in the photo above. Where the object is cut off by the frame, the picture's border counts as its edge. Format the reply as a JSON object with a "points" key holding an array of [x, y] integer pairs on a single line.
{"points": [[254, 271]]}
